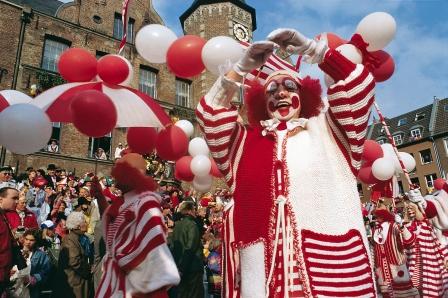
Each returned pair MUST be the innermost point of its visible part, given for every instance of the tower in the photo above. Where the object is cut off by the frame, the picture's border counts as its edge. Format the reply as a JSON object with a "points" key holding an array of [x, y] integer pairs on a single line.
{"points": [[210, 18]]}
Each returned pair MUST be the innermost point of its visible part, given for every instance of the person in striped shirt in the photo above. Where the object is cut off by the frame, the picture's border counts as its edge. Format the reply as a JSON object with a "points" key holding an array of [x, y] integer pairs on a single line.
{"points": [[295, 228], [138, 262]]}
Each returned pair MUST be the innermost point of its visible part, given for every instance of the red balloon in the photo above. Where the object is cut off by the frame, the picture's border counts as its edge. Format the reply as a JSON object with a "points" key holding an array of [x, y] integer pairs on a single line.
{"points": [[386, 68], [182, 170], [371, 152], [77, 65], [93, 113], [172, 143], [439, 183], [142, 140], [113, 69], [334, 40], [365, 175], [184, 56], [214, 171]]}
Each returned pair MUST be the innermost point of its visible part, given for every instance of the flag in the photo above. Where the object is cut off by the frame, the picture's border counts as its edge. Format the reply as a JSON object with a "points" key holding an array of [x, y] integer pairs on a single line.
{"points": [[274, 63]]}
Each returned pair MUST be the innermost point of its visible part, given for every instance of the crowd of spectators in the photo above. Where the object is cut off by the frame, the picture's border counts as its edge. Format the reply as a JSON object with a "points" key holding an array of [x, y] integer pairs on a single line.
{"points": [[55, 219]]}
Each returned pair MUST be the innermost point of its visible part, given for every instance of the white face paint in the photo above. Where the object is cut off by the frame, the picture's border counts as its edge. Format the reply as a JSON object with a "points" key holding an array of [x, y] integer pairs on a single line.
{"points": [[283, 101]]}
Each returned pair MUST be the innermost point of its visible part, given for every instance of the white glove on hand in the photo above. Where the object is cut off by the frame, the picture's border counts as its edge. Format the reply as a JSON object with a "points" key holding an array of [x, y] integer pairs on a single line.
{"points": [[398, 220], [255, 56], [415, 196], [295, 42]]}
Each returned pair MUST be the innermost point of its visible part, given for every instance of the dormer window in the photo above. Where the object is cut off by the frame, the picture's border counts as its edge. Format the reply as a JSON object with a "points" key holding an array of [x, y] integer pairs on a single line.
{"points": [[402, 121], [416, 134], [398, 139], [419, 116], [381, 141]]}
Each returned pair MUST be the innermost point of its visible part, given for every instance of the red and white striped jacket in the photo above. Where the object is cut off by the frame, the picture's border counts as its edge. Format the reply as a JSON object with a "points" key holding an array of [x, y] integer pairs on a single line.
{"points": [[322, 203], [137, 259], [427, 260]]}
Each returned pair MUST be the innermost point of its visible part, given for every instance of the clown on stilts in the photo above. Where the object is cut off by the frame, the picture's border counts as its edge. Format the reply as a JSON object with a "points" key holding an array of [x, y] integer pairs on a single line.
{"points": [[295, 229]]}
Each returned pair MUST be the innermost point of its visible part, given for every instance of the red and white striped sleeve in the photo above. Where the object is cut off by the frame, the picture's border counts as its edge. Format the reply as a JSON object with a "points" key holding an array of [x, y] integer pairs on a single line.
{"points": [[350, 100], [218, 121]]}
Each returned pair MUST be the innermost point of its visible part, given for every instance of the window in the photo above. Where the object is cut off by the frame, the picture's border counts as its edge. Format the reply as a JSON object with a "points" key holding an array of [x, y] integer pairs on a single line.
{"points": [[118, 28], [430, 180], [445, 108], [415, 181], [103, 143], [402, 121], [53, 144], [426, 156], [445, 142], [52, 50], [360, 192], [183, 93], [100, 54], [148, 81], [419, 116], [400, 187], [416, 134], [398, 139], [381, 141]]}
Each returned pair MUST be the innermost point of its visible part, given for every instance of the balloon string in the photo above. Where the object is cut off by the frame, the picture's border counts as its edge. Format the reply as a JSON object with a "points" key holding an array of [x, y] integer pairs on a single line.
{"points": [[392, 142], [124, 20]]}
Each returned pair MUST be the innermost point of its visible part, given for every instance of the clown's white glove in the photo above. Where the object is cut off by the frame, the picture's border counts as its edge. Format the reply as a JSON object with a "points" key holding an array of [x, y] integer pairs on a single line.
{"points": [[255, 56], [398, 220], [295, 42], [415, 196]]}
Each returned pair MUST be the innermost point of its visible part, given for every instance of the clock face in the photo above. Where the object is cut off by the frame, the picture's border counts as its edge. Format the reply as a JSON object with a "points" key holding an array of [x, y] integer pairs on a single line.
{"points": [[241, 33]]}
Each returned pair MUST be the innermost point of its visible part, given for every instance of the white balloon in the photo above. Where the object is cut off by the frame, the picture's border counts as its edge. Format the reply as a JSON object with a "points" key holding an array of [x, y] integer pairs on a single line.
{"points": [[186, 126], [24, 128], [350, 52], [408, 161], [152, 42], [377, 29], [218, 50], [201, 165], [383, 169], [389, 152], [203, 183], [198, 146], [328, 80]]}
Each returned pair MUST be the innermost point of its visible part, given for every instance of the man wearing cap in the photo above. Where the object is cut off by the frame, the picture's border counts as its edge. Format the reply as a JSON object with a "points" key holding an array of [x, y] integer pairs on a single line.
{"points": [[138, 262], [292, 172], [6, 177]]}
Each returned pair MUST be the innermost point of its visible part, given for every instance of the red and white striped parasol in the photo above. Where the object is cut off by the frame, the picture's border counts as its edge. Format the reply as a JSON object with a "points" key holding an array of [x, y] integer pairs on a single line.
{"points": [[134, 108], [11, 97]]}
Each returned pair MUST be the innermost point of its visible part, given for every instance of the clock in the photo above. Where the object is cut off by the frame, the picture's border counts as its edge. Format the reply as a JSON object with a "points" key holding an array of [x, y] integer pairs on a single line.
{"points": [[240, 31]]}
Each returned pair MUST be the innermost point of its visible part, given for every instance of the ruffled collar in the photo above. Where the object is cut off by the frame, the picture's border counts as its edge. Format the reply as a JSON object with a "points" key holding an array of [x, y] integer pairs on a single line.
{"points": [[274, 124]]}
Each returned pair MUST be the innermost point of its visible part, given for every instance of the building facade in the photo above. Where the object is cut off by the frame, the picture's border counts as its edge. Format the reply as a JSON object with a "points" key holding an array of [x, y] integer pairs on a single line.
{"points": [[423, 133], [36, 32]]}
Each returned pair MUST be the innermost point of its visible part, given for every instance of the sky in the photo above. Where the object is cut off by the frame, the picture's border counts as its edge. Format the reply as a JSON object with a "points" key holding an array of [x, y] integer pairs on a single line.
{"points": [[419, 49]]}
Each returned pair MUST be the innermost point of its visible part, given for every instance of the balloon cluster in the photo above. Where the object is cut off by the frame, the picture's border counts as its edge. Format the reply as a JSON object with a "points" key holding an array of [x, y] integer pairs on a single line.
{"points": [[93, 112], [173, 144], [377, 30], [380, 163], [186, 56], [197, 167]]}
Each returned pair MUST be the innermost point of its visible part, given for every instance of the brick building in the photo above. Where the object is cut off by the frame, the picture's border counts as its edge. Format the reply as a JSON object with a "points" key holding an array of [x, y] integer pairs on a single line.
{"points": [[35, 32], [424, 134]]}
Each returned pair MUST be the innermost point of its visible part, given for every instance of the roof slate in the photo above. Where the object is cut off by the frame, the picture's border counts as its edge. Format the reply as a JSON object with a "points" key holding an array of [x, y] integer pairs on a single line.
{"points": [[46, 6]]}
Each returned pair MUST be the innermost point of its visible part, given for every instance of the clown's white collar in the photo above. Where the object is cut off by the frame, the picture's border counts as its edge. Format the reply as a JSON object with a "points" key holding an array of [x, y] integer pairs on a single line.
{"points": [[271, 124]]}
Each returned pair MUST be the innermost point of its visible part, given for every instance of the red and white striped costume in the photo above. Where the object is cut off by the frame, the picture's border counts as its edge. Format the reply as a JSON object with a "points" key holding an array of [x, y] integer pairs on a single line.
{"points": [[315, 230], [390, 262], [137, 259], [427, 259]]}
